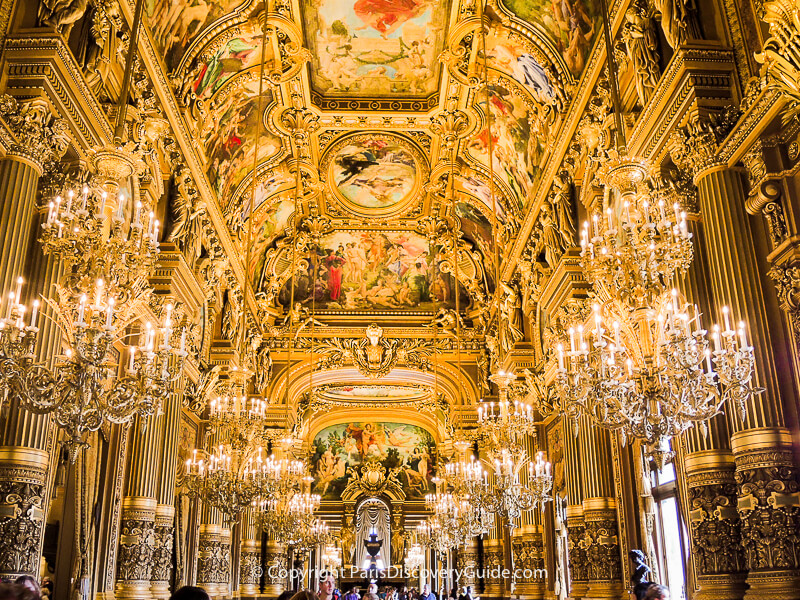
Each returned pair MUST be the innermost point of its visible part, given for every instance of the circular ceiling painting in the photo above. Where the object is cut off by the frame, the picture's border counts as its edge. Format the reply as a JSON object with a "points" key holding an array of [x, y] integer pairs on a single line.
{"points": [[375, 174]]}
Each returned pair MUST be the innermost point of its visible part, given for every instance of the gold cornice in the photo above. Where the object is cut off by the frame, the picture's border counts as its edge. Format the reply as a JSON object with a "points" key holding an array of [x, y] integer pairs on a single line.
{"points": [[700, 76], [42, 61]]}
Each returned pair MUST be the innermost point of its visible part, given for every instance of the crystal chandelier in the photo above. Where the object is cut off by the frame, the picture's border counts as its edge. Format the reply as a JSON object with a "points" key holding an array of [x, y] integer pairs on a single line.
{"points": [[505, 425], [644, 366], [288, 518], [415, 557], [226, 480], [233, 473], [84, 388], [94, 244], [331, 557]]}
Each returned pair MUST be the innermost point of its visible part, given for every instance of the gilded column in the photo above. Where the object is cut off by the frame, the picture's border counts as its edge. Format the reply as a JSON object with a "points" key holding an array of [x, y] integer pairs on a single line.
{"points": [[276, 569], [707, 462], [527, 544], [137, 529], [165, 508], [41, 140], [467, 564], [573, 475], [250, 556], [213, 554], [601, 530], [766, 476], [493, 566]]}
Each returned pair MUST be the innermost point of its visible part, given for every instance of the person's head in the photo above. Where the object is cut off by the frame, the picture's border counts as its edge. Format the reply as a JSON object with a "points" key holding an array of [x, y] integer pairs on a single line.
{"points": [[657, 592], [326, 584], [29, 583], [426, 589], [189, 592], [304, 595], [373, 588], [286, 594]]}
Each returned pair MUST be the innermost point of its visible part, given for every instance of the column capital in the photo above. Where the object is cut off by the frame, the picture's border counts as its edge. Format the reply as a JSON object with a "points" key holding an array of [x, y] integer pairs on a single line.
{"points": [[41, 137], [693, 148]]}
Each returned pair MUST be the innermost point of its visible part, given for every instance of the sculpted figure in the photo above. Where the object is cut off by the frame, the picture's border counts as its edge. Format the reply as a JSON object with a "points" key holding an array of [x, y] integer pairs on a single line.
{"points": [[510, 318], [61, 14], [678, 21], [640, 44]]}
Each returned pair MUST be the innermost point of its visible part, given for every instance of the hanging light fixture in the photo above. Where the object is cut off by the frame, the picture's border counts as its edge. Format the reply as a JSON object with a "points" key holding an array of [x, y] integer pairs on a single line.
{"points": [[644, 365]]}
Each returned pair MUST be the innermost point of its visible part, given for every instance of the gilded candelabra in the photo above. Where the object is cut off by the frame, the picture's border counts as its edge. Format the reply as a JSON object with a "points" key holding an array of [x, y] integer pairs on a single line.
{"points": [[644, 365], [88, 385], [233, 473]]}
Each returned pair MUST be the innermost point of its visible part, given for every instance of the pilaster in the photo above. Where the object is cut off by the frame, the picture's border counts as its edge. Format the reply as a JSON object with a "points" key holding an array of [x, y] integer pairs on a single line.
{"points": [[493, 565], [250, 555], [528, 548]]}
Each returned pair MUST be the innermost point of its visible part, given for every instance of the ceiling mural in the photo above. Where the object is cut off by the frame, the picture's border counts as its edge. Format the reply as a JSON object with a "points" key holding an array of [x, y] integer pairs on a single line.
{"points": [[269, 223], [478, 229], [372, 270], [570, 25], [174, 25], [374, 47], [229, 139], [390, 393], [375, 174], [517, 146], [339, 450]]}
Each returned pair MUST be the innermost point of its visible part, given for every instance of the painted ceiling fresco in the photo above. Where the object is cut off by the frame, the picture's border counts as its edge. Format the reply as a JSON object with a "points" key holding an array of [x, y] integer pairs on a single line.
{"points": [[370, 270], [174, 25], [229, 139], [375, 392], [570, 25], [516, 148], [375, 47], [340, 449], [373, 176]]}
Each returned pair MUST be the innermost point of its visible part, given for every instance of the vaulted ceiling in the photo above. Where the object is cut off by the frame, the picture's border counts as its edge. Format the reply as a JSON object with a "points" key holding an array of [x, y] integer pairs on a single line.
{"points": [[375, 76]]}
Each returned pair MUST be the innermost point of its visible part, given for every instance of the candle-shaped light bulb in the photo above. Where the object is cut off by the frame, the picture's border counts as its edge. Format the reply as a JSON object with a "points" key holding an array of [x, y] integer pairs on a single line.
{"points": [[18, 294], [742, 335], [109, 311], [70, 196], [81, 310], [103, 198], [708, 362], [85, 197], [34, 313], [726, 317], [560, 349], [132, 364]]}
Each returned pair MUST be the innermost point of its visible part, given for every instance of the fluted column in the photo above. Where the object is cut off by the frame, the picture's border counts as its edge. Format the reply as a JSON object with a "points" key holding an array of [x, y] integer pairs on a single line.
{"points": [[766, 476], [276, 569], [493, 565], [467, 564], [165, 509], [708, 464], [761, 444], [601, 529], [24, 454], [250, 555], [573, 475], [138, 536], [528, 546]]}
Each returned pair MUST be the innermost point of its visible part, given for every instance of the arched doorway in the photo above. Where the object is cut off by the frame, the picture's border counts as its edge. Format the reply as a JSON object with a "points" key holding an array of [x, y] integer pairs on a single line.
{"points": [[373, 515]]}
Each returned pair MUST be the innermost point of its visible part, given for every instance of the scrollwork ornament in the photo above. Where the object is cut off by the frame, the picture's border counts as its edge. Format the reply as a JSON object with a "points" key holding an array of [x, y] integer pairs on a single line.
{"points": [[714, 526], [136, 550], [21, 523], [769, 508]]}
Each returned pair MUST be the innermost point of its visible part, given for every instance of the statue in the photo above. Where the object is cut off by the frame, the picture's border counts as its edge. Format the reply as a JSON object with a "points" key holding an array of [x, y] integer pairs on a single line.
{"points": [[639, 577], [678, 21], [62, 14], [483, 372], [641, 45], [302, 316], [263, 368], [346, 540], [398, 539], [510, 318]]}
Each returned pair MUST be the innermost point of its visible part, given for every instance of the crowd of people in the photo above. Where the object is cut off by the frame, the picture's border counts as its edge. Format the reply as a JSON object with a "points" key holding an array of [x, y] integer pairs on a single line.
{"points": [[26, 587]]}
